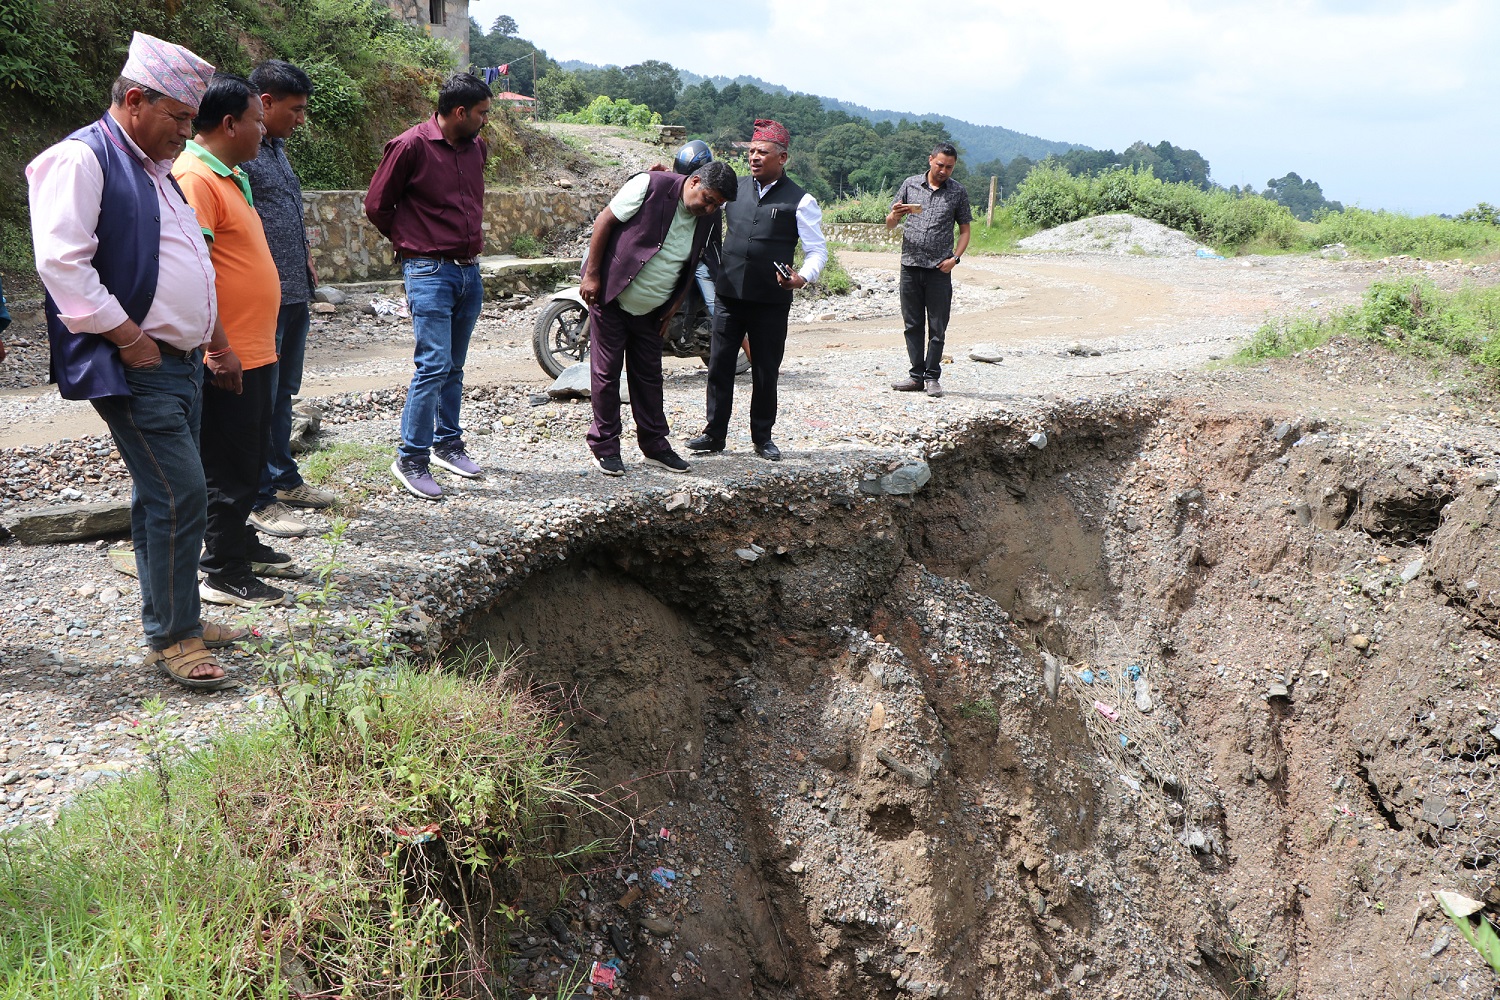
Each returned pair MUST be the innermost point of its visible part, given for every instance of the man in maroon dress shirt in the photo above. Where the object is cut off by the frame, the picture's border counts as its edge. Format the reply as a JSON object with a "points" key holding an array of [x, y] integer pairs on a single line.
{"points": [[427, 198]]}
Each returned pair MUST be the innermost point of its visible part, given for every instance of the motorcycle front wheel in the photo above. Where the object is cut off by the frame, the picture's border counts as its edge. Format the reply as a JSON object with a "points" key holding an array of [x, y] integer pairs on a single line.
{"points": [[562, 336]]}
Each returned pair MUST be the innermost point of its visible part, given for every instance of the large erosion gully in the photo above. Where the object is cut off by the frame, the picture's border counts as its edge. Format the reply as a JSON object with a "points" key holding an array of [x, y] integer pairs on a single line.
{"points": [[1165, 708]]}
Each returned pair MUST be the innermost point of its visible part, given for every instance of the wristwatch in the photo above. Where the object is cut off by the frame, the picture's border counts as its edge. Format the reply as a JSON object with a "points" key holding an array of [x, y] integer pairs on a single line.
{"points": [[957, 260]]}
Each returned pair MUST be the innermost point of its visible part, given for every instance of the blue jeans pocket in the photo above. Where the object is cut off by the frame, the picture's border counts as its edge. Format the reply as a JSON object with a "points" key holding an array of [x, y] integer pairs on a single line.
{"points": [[420, 268]]}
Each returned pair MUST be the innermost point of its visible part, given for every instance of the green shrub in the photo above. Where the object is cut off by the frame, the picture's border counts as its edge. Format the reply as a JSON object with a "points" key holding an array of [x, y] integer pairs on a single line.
{"points": [[1383, 233], [1050, 196], [835, 279], [1411, 315], [527, 245], [603, 111], [373, 839], [866, 206]]}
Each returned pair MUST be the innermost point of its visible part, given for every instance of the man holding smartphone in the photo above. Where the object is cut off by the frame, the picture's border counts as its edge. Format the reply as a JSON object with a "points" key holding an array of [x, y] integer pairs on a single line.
{"points": [[767, 217], [931, 203]]}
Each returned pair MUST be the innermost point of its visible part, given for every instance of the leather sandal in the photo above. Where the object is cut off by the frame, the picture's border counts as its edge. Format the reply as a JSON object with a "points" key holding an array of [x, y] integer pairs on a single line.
{"points": [[216, 636], [179, 661]]}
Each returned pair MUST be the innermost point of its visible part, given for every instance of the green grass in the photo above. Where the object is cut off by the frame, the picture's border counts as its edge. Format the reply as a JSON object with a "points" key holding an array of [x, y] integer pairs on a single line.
{"points": [[868, 206], [373, 838], [1002, 237], [346, 464], [1411, 315], [835, 278]]}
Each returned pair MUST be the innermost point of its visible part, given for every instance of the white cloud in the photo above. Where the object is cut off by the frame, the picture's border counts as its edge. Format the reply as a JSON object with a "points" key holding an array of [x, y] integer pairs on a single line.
{"points": [[1386, 102]]}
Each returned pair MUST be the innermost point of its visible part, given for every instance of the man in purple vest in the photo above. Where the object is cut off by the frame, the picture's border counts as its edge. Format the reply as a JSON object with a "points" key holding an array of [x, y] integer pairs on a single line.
{"points": [[130, 308], [643, 253]]}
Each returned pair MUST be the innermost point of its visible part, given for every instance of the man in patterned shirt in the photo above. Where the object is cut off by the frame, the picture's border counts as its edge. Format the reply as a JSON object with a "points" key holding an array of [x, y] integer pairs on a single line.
{"points": [[931, 204]]}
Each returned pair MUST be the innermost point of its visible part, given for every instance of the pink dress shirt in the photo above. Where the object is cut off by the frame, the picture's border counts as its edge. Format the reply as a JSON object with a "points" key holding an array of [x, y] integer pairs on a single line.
{"points": [[66, 186]]}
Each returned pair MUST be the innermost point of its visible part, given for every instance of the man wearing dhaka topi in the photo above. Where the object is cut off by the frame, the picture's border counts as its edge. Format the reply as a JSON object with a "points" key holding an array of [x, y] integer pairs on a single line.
{"points": [[130, 308], [767, 217]]}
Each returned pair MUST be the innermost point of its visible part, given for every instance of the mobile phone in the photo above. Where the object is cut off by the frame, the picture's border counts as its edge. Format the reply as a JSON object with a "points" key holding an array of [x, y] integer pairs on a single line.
{"points": [[783, 270]]}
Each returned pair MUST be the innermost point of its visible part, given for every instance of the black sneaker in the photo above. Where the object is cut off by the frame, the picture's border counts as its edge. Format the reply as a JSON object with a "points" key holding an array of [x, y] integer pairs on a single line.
{"points": [[668, 460], [244, 593], [260, 552], [610, 465], [703, 442]]}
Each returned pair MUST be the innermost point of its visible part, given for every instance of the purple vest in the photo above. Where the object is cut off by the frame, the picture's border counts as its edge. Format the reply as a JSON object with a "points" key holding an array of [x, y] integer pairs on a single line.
{"points": [[85, 365], [637, 241]]}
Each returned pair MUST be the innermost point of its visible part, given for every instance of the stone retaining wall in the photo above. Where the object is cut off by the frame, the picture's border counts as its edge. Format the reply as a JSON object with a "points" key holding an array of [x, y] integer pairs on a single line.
{"points": [[347, 248], [861, 232]]}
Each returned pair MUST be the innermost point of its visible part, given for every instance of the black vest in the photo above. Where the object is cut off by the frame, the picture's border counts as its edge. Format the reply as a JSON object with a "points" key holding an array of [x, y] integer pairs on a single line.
{"points": [[761, 232]]}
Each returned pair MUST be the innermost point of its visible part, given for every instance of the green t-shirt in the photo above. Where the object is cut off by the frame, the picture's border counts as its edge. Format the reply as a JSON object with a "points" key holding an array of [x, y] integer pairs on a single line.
{"points": [[658, 277]]}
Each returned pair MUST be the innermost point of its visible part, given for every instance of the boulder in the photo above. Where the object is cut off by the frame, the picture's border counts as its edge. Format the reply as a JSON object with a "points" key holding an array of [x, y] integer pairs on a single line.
{"points": [[74, 522], [901, 481], [573, 383], [329, 294]]}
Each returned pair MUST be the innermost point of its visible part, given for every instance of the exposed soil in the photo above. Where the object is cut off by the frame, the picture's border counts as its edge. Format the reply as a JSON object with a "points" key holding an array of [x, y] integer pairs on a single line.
{"points": [[852, 740]]}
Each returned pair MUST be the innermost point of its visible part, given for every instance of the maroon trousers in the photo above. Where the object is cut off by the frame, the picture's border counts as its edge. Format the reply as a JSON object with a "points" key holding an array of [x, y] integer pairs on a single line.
{"points": [[619, 339]]}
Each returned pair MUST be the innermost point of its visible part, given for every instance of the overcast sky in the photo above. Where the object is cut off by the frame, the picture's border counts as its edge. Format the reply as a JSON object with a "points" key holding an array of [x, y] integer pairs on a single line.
{"points": [[1386, 103]]}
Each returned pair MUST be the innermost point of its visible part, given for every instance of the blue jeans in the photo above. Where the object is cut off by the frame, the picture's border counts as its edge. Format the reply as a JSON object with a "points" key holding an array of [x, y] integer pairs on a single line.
{"points": [[705, 286], [291, 349], [156, 430], [445, 300]]}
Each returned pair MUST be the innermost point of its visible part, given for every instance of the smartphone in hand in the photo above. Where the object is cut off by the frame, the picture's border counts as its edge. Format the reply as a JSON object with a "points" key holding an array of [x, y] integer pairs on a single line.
{"points": [[783, 270]]}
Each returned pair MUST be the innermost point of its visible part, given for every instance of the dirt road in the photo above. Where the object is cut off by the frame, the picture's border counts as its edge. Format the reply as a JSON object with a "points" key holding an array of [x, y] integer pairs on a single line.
{"points": [[1166, 313]]}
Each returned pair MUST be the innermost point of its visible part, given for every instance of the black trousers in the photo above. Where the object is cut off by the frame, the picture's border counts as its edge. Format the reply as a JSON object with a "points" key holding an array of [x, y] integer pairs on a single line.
{"points": [[765, 324], [926, 301], [234, 443]]}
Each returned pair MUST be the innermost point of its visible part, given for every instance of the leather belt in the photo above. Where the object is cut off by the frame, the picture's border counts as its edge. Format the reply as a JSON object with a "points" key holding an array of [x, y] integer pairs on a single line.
{"points": [[460, 261], [174, 352]]}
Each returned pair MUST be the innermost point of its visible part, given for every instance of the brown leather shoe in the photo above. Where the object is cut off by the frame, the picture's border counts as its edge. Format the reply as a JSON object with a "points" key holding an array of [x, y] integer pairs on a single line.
{"points": [[934, 388], [908, 385]]}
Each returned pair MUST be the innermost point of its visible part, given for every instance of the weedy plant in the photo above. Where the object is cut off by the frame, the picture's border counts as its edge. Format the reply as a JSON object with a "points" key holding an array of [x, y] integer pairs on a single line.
{"points": [[375, 836], [1410, 315]]}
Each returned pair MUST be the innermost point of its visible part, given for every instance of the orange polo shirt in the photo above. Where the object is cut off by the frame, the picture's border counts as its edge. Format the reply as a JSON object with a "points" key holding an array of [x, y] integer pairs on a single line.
{"points": [[245, 276]]}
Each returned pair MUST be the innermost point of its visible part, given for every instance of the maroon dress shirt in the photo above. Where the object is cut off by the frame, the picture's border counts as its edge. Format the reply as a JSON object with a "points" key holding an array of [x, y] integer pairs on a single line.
{"points": [[427, 196]]}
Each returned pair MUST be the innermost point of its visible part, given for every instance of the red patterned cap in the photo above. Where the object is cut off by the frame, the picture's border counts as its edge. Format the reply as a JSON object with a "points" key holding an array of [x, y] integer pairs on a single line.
{"points": [[767, 130]]}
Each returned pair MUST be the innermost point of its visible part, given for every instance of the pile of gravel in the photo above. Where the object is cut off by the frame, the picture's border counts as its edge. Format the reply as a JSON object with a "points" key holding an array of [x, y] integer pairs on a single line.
{"points": [[1117, 234]]}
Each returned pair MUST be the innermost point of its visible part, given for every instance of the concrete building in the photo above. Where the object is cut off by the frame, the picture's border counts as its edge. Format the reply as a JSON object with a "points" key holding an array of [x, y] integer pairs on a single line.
{"points": [[445, 19]]}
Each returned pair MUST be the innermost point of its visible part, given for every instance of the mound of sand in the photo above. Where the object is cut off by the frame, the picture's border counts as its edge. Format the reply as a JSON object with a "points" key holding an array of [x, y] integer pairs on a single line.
{"points": [[1118, 234]]}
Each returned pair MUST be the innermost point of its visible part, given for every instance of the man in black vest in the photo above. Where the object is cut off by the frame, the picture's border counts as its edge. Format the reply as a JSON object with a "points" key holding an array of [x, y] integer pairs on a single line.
{"points": [[643, 253], [755, 285]]}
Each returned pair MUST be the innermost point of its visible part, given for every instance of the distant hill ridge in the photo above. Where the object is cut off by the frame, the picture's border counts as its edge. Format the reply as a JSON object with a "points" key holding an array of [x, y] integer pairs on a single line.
{"points": [[979, 143]]}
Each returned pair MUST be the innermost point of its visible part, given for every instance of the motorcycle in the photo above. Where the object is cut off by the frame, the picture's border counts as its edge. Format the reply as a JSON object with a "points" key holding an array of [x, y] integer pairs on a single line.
{"points": [[562, 331]]}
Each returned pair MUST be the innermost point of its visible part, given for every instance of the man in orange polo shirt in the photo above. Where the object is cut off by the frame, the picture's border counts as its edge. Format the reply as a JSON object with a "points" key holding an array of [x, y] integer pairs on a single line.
{"points": [[236, 429]]}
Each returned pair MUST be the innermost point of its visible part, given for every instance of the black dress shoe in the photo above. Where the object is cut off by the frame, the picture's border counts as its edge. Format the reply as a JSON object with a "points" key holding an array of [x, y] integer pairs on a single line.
{"points": [[768, 451], [705, 443]]}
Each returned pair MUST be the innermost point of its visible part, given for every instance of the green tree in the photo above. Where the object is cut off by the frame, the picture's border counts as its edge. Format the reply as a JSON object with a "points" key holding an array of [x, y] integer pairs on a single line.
{"points": [[499, 46], [654, 84], [1168, 163], [845, 149], [1482, 212], [560, 92], [1303, 197]]}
